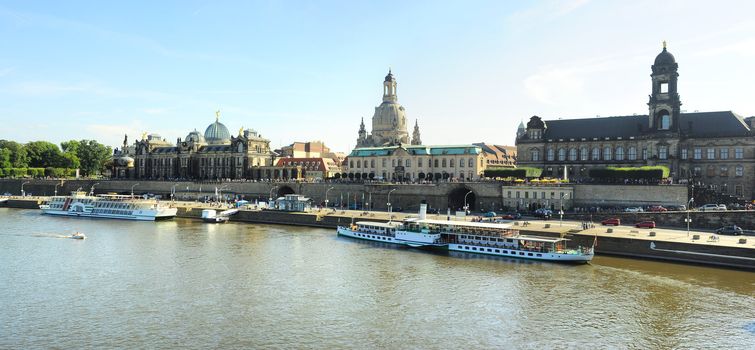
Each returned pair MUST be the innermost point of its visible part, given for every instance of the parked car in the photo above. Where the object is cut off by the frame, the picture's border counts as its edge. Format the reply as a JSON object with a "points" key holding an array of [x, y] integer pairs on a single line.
{"points": [[729, 230], [657, 209], [645, 224], [633, 210], [513, 216], [7, 194], [722, 207], [710, 207], [611, 221], [489, 214], [677, 207]]}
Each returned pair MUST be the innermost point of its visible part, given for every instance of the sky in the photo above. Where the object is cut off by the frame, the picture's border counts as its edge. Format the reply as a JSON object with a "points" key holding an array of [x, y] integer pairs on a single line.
{"points": [[467, 71]]}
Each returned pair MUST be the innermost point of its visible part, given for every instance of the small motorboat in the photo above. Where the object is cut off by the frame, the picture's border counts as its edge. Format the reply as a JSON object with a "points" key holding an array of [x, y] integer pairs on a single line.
{"points": [[211, 216], [78, 235]]}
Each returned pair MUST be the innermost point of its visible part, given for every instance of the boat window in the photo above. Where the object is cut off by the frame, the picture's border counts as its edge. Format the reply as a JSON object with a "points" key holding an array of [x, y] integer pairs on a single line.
{"points": [[490, 250], [539, 254], [497, 250], [473, 248], [509, 240], [521, 253], [505, 252], [529, 254]]}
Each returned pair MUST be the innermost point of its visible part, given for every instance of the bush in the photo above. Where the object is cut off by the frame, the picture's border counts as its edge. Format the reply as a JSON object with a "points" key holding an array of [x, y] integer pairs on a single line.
{"points": [[637, 173], [518, 173]]}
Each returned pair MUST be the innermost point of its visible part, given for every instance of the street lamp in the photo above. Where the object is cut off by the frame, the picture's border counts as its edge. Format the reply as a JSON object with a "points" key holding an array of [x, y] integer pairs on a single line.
{"points": [[688, 220], [56, 187], [220, 192], [389, 204], [132, 189], [23, 194], [172, 191], [561, 212], [326, 196], [91, 190], [466, 208]]}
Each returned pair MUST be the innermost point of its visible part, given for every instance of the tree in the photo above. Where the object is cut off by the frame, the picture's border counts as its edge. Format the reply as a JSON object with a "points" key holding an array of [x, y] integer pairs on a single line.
{"points": [[18, 157], [5, 156], [43, 154], [92, 156]]}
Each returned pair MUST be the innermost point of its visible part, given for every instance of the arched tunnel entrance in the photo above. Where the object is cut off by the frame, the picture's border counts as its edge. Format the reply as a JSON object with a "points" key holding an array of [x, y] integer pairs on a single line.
{"points": [[456, 199], [284, 190]]}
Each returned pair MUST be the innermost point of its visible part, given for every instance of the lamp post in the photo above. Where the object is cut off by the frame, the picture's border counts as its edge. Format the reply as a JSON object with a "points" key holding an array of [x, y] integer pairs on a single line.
{"points": [[466, 208], [220, 192], [270, 198], [326, 196], [23, 194], [91, 190], [688, 220], [561, 211], [132, 189], [389, 204], [56, 187], [172, 191]]}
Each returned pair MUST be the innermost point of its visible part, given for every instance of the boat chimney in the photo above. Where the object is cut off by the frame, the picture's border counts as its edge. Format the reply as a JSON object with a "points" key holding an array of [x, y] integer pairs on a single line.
{"points": [[423, 211]]}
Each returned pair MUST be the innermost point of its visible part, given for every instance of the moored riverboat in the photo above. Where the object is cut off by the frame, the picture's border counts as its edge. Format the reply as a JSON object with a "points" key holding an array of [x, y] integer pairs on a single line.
{"points": [[79, 204], [471, 237]]}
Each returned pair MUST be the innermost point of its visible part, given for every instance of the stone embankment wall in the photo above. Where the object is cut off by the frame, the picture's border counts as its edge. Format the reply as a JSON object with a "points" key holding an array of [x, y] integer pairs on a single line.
{"points": [[700, 220]]}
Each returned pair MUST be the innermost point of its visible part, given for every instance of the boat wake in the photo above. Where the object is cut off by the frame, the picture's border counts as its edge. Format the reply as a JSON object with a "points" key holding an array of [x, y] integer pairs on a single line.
{"points": [[40, 235]]}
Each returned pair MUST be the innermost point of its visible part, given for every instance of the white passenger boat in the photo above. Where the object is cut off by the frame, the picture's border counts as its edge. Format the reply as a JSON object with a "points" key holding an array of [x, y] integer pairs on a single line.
{"points": [[212, 216], [78, 235], [79, 204], [471, 237]]}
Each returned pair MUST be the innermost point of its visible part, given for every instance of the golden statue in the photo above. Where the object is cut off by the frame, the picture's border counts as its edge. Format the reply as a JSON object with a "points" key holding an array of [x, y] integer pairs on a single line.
{"points": [[144, 136], [217, 115], [241, 131], [664, 44]]}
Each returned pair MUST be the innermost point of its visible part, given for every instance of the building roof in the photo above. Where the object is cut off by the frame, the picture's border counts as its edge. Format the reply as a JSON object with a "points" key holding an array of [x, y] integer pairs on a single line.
{"points": [[417, 150], [217, 133], [702, 124]]}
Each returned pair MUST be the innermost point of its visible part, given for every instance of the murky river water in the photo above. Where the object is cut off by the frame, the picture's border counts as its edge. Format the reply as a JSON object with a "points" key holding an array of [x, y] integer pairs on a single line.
{"points": [[182, 283]]}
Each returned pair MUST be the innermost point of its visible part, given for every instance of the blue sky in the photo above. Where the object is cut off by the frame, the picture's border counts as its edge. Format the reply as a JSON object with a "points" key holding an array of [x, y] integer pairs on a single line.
{"points": [[469, 71]]}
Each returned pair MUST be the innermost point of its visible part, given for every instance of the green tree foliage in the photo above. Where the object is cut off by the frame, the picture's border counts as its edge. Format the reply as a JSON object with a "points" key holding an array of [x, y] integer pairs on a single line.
{"points": [[18, 157], [92, 156], [636, 173], [519, 173], [5, 156], [43, 154]]}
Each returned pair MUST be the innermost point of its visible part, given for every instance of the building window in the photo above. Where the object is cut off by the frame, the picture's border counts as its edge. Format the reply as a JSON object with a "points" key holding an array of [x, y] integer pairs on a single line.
{"points": [[550, 154], [739, 153], [683, 153], [385, 162], [443, 162], [697, 153], [711, 171], [451, 163], [619, 153], [724, 153], [359, 164], [607, 153], [436, 163], [644, 154], [697, 171], [419, 162], [351, 164], [561, 154], [738, 190], [663, 152], [471, 162], [572, 154], [739, 171], [664, 88], [393, 163], [408, 163], [372, 163], [509, 194], [724, 171], [632, 154], [595, 153], [583, 153], [711, 153], [665, 121], [536, 155]]}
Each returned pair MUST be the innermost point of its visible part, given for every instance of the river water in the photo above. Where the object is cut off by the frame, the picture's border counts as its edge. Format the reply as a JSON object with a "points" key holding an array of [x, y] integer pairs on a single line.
{"points": [[182, 283]]}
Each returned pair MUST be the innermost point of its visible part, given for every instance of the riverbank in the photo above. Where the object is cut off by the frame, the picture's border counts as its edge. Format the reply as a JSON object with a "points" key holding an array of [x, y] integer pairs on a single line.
{"points": [[663, 244]]}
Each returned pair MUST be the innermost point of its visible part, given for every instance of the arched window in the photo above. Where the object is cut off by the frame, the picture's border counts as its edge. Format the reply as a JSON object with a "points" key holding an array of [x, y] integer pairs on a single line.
{"points": [[550, 154], [664, 121], [451, 163], [351, 164], [583, 153], [372, 163], [596, 153], [619, 153], [561, 154], [359, 164], [443, 162], [607, 153], [536, 155], [632, 154], [572, 154]]}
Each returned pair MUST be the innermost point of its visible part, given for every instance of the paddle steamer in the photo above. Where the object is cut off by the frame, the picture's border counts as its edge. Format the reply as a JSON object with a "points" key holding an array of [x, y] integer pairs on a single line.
{"points": [[79, 204]]}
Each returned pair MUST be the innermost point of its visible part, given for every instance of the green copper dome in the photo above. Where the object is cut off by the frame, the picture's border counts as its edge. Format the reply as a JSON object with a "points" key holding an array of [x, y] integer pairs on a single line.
{"points": [[217, 133]]}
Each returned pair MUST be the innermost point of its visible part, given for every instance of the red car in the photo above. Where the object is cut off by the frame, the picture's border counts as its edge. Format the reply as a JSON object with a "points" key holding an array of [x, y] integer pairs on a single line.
{"points": [[611, 221], [645, 224], [658, 208]]}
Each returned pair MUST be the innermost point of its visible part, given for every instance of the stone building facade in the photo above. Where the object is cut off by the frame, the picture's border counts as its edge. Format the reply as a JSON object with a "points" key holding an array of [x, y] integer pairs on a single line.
{"points": [[212, 155], [711, 149], [415, 162]]}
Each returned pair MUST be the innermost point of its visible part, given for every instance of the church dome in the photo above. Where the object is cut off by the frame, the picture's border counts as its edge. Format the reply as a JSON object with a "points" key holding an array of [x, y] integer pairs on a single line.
{"points": [[195, 137], [217, 133], [664, 58]]}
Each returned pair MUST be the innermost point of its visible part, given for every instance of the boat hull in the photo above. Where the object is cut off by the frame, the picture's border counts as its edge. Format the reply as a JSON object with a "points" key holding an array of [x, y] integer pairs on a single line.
{"points": [[473, 249], [162, 215]]}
